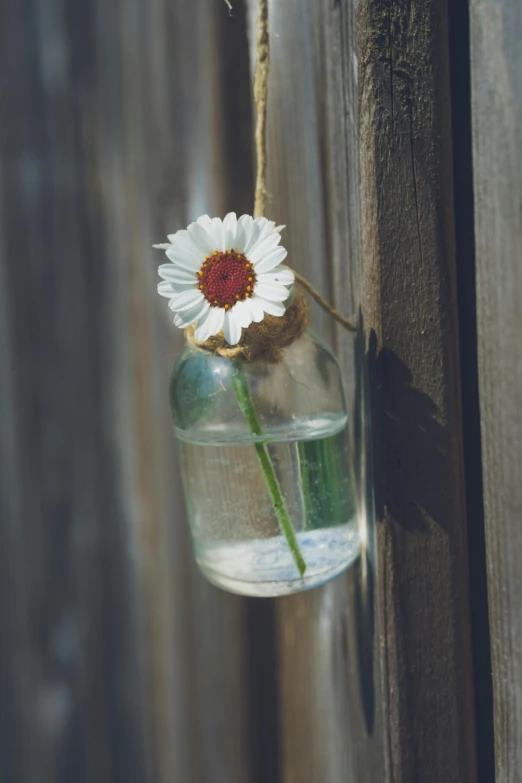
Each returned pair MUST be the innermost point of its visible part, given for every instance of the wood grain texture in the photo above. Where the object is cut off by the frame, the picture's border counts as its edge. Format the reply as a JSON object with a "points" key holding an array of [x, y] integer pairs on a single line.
{"points": [[496, 32], [328, 664], [410, 312], [118, 663]]}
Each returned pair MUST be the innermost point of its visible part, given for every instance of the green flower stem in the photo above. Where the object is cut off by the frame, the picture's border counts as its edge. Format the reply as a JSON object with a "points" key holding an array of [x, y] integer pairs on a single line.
{"points": [[274, 488]]}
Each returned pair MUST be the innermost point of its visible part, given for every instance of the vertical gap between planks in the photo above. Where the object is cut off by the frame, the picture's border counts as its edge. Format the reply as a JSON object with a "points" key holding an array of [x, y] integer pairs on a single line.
{"points": [[465, 246], [263, 692]]}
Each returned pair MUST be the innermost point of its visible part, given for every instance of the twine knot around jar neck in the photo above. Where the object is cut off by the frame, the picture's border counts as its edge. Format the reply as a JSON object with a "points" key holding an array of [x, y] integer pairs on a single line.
{"points": [[263, 341]]}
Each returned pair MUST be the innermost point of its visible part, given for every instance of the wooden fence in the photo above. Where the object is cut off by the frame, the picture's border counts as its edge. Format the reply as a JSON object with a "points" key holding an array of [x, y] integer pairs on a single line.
{"points": [[395, 159]]}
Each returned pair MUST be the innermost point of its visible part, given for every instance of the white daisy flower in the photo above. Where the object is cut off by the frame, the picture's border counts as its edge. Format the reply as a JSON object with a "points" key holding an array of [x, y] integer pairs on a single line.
{"points": [[225, 274]]}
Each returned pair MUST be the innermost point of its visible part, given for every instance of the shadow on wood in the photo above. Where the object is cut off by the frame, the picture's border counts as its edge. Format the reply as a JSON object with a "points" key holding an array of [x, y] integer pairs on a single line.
{"points": [[412, 450]]}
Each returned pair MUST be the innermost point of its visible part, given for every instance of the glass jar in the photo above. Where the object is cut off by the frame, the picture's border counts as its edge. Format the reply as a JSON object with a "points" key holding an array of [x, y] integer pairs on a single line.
{"points": [[303, 428]]}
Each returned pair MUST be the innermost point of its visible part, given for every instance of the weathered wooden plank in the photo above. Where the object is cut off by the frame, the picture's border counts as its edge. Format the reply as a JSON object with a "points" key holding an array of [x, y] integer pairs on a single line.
{"points": [[78, 660], [496, 57], [328, 676], [410, 310], [118, 661]]}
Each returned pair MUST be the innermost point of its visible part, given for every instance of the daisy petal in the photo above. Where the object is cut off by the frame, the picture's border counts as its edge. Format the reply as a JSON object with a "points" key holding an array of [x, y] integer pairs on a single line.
{"points": [[210, 324], [183, 245], [254, 237], [278, 275], [263, 247], [232, 328], [217, 233], [204, 220], [186, 300], [200, 309], [263, 224], [242, 312], [171, 290], [230, 226], [189, 263], [256, 311], [161, 247], [266, 227], [244, 228], [178, 288], [271, 291], [230, 220], [201, 238], [188, 317], [272, 308], [271, 260], [177, 274], [166, 289]]}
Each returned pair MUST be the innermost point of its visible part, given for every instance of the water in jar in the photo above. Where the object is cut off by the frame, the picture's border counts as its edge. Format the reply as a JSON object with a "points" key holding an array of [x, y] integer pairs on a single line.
{"points": [[237, 541]]}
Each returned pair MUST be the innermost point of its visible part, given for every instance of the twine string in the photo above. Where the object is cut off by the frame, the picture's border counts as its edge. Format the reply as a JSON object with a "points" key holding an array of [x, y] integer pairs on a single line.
{"points": [[314, 293], [260, 100]]}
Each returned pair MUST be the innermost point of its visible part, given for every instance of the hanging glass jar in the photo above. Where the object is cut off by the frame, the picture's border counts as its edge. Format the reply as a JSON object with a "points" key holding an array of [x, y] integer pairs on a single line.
{"points": [[299, 404]]}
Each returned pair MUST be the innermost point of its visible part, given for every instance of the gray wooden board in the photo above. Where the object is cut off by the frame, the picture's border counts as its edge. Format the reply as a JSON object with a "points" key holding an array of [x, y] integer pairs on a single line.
{"points": [[496, 69], [410, 316], [118, 661]]}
